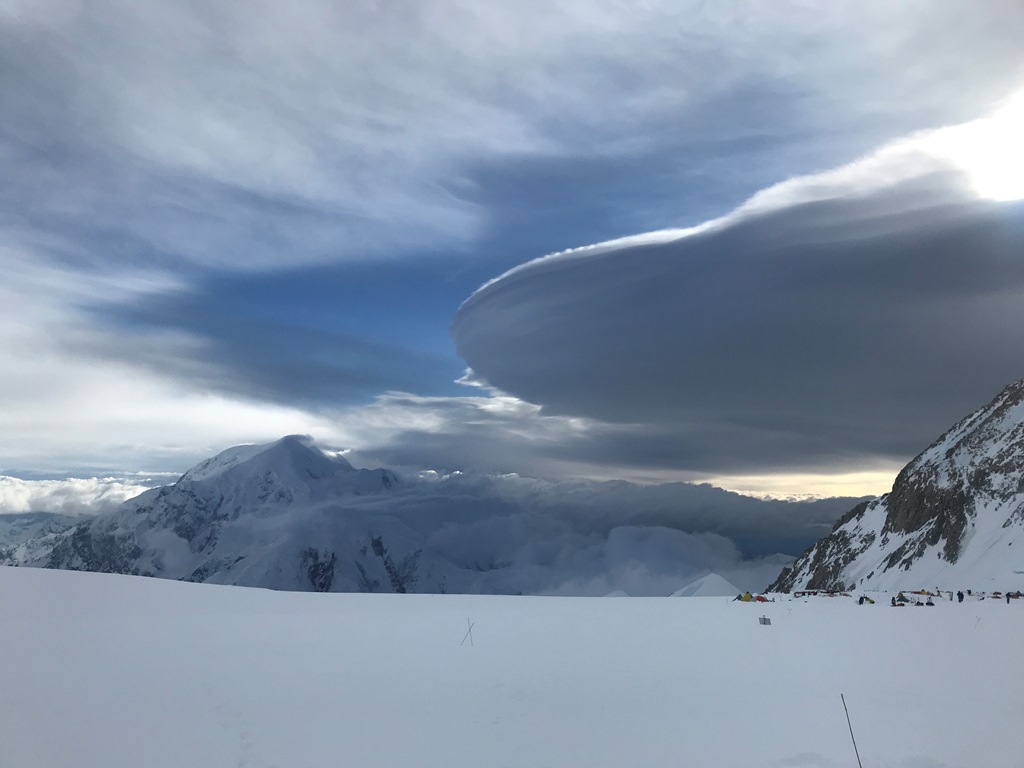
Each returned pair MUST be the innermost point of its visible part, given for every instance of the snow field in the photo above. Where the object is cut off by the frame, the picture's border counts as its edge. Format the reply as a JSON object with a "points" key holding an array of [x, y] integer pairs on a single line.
{"points": [[102, 671]]}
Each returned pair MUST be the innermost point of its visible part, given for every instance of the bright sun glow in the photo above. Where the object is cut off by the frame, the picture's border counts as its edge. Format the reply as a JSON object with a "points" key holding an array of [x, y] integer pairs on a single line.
{"points": [[990, 150]]}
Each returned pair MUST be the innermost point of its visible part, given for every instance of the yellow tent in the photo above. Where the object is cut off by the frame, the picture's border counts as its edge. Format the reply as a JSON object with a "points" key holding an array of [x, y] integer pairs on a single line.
{"points": [[747, 597]]}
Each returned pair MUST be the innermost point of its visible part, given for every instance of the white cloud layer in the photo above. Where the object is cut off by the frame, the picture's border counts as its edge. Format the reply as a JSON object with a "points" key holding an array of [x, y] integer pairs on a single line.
{"points": [[73, 496]]}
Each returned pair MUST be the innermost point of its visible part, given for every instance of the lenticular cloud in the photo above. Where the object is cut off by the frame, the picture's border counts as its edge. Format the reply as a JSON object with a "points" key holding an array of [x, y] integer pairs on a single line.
{"points": [[847, 316]]}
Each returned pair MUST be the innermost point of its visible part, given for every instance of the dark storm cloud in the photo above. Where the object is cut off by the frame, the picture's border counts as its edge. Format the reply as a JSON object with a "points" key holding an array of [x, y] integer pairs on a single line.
{"points": [[804, 334]]}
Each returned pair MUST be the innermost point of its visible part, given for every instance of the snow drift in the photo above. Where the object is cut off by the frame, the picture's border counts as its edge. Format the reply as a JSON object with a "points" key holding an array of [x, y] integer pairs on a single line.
{"points": [[118, 671]]}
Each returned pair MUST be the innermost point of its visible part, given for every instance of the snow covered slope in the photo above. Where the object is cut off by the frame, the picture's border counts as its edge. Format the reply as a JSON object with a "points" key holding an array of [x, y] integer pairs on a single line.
{"points": [[288, 516], [954, 518], [117, 671], [24, 535], [246, 516]]}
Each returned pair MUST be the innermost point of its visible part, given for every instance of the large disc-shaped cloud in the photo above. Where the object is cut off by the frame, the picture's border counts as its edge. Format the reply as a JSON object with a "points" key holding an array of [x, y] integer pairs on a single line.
{"points": [[844, 317]]}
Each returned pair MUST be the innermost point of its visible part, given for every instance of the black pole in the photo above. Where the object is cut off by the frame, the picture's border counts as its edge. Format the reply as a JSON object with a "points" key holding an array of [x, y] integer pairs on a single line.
{"points": [[851, 731]]}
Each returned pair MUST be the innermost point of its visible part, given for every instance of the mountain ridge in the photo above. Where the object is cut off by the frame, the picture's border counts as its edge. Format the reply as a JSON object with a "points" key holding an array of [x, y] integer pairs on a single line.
{"points": [[951, 520], [287, 515]]}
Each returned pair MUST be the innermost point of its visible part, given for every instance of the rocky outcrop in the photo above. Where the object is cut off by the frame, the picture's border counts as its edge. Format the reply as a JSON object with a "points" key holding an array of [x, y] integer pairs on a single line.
{"points": [[953, 515], [25, 534]]}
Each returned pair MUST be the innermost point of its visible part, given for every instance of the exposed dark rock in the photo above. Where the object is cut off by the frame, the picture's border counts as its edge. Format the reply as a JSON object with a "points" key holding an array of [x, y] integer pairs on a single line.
{"points": [[935, 501], [319, 569], [88, 550]]}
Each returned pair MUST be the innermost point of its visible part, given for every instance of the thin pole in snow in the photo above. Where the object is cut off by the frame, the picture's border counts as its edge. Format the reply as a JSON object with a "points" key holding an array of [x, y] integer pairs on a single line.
{"points": [[977, 622], [469, 634], [851, 730]]}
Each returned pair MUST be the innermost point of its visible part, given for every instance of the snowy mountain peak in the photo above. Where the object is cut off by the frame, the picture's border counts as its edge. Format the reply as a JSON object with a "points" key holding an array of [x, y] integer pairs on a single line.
{"points": [[226, 516], [295, 453], [954, 517]]}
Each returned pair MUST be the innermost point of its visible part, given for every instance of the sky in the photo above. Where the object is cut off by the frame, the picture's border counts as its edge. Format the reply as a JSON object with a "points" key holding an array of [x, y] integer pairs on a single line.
{"points": [[775, 247]]}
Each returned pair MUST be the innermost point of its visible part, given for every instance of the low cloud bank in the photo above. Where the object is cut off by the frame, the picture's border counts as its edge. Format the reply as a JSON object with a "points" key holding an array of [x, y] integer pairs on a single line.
{"points": [[74, 496], [509, 534]]}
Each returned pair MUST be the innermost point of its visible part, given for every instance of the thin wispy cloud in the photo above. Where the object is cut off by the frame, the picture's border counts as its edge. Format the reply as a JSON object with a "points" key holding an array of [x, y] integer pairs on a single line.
{"points": [[270, 136]]}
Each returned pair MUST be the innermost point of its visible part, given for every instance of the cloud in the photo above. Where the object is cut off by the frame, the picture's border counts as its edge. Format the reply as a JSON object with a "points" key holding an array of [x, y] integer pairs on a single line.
{"points": [[73, 496], [68, 407], [271, 136], [508, 533], [148, 149], [833, 320]]}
